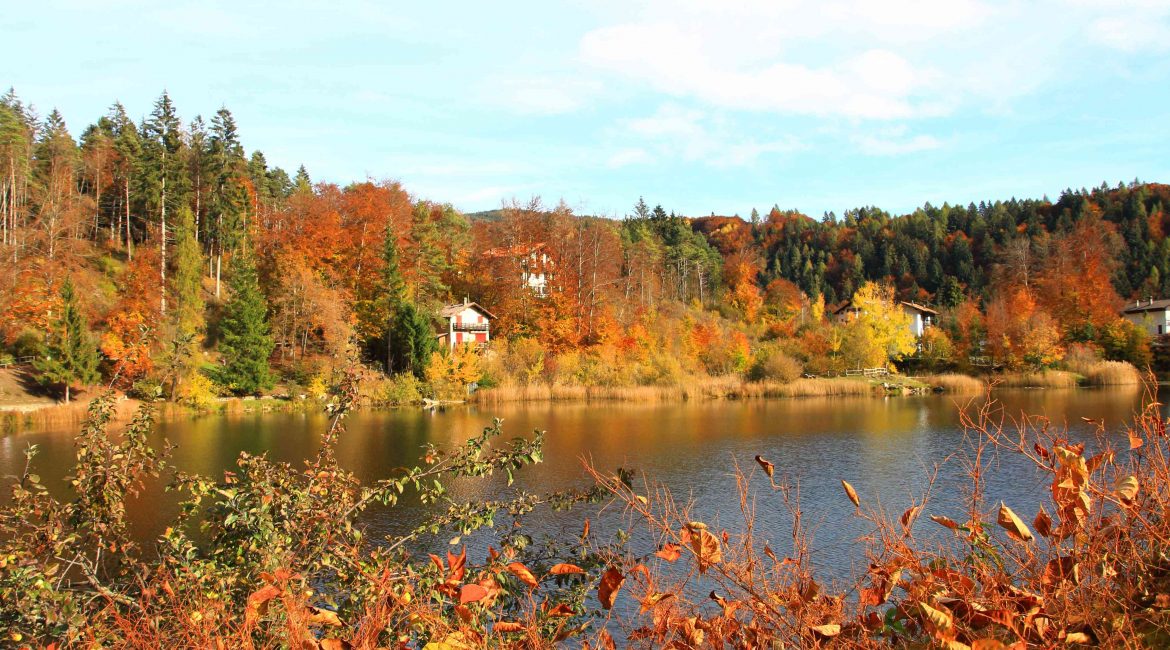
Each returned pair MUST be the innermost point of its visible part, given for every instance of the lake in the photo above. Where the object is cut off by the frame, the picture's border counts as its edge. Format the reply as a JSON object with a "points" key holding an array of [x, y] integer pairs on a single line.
{"points": [[885, 447]]}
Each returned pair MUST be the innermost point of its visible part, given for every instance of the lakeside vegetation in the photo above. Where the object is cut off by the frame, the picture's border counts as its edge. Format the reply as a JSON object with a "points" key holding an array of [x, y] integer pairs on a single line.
{"points": [[275, 555]]}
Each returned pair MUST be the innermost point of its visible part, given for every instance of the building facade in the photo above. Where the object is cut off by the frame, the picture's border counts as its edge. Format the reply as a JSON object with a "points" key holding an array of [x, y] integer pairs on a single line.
{"points": [[1150, 314], [466, 324]]}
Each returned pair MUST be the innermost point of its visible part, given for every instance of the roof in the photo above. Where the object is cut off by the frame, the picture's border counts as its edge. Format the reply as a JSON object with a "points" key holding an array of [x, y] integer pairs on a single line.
{"points": [[841, 307], [450, 311], [918, 307], [848, 304], [518, 250], [1139, 306]]}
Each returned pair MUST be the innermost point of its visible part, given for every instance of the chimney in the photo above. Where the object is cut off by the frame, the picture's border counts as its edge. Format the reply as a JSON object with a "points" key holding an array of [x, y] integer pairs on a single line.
{"points": [[465, 301]]}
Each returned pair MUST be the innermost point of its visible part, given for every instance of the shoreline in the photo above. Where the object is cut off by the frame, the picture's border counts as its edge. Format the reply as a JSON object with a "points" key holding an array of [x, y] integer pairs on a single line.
{"points": [[37, 416]]}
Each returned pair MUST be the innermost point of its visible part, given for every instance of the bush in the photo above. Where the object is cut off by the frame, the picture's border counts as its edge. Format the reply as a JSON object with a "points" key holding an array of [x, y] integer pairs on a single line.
{"points": [[402, 389], [147, 389], [29, 343], [771, 364], [198, 392]]}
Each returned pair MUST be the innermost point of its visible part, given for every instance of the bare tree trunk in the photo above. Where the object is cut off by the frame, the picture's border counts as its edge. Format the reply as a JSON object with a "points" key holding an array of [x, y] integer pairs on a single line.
{"points": [[162, 245]]}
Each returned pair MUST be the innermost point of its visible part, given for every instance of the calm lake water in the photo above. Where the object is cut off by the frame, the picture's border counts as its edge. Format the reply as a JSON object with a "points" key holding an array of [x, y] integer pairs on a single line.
{"points": [[885, 447]]}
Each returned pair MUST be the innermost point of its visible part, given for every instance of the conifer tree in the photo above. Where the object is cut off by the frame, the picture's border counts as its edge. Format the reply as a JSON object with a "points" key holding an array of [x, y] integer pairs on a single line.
{"points": [[72, 355], [186, 317], [229, 196], [302, 182], [162, 175], [246, 344], [413, 340]]}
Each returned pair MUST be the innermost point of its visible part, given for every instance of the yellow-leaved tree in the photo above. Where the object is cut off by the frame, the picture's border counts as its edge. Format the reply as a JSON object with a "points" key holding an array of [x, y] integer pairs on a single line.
{"points": [[879, 330], [451, 371]]}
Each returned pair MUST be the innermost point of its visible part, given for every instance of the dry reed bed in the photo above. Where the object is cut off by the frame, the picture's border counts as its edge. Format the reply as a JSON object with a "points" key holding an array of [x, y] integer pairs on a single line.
{"points": [[720, 388], [1042, 379], [1113, 373], [956, 383]]}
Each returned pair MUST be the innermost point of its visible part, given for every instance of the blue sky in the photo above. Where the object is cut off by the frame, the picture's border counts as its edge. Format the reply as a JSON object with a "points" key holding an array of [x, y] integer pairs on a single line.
{"points": [[700, 105]]}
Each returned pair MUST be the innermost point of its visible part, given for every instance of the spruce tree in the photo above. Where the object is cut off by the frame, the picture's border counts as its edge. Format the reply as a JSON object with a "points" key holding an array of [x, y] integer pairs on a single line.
{"points": [[72, 356], [246, 344], [413, 340]]}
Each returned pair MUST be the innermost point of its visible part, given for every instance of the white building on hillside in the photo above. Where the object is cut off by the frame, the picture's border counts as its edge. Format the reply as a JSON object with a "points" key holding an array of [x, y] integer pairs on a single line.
{"points": [[1150, 314], [466, 323]]}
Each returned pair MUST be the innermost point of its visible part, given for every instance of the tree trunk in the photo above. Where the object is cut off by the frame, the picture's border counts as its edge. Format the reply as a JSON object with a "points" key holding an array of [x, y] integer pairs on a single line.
{"points": [[66, 392], [162, 246]]}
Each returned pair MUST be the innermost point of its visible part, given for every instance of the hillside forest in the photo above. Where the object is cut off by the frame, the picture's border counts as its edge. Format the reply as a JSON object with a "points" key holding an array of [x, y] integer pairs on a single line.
{"points": [[158, 256]]}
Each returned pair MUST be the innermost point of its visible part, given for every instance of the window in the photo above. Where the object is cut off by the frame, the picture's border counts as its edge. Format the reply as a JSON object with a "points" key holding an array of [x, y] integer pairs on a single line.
{"points": [[1159, 330]]}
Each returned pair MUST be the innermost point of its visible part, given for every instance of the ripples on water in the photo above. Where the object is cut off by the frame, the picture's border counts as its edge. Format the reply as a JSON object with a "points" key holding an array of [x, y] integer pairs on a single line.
{"points": [[885, 447]]}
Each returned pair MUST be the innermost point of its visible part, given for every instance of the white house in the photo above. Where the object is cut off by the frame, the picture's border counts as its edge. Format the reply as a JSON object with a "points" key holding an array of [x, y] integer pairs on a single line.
{"points": [[535, 264], [1150, 314], [921, 318], [466, 323]]}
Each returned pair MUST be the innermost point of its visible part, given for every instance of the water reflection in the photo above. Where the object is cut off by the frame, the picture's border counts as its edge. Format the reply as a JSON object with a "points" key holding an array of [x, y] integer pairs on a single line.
{"points": [[885, 447]]}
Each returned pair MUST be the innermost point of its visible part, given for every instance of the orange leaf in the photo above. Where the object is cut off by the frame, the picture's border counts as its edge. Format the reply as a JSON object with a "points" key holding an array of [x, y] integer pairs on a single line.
{"points": [[669, 552], [908, 518], [945, 522], [508, 626], [1014, 526], [522, 572], [1135, 440], [827, 631], [1043, 523], [851, 493], [704, 544], [318, 616], [565, 569], [471, 594], [561, 610], [769, 468], [611, 583], [653, 599]]}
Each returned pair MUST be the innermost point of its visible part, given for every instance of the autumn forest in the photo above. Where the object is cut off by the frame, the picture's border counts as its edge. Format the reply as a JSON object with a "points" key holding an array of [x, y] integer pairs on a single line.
{"points": [[160, 257]]}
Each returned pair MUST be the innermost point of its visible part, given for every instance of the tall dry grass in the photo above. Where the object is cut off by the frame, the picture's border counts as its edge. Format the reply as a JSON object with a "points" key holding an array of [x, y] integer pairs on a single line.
{"points": [[1042, 379], [1112, 373], [716, 388], [956, 383]]}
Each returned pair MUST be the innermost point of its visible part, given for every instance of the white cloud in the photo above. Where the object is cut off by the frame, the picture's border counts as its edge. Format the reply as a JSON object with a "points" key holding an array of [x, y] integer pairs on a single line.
{"points": [[893, 142], [629, 156], [674, 131], [543, 95], [861, 59]]}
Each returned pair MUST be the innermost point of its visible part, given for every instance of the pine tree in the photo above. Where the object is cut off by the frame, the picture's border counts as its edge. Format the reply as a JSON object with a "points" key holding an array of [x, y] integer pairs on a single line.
{"points": [[302, 182], [429, 260], [186, 317], [413, 340], [246, 344], [229, 195], [72, 355], [128, 148], [162, 175]]}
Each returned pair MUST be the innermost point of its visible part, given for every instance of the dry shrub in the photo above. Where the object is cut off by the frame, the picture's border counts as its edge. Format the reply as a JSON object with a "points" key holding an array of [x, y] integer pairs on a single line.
{"points": [[772, 364], [956, 383], [1089, 569]]}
